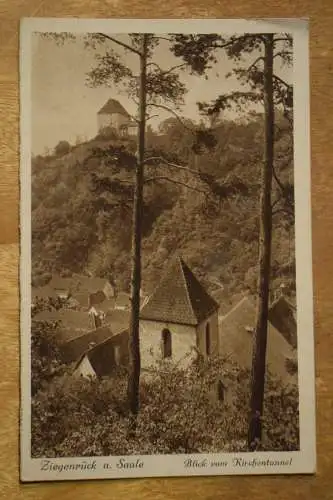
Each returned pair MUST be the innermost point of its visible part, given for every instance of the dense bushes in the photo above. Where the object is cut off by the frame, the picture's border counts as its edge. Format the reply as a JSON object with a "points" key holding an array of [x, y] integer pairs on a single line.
{"points": [[107, 133], [46, 359], [180, 413]]}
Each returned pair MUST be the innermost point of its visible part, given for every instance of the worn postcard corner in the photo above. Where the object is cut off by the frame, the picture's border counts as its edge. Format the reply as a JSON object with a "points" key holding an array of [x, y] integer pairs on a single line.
{"points": [[166, 275]]}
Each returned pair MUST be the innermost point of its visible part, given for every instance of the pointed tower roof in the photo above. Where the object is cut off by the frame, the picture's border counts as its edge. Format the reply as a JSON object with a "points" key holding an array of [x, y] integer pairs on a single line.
{"points": [[113, 106], [179, 298]]}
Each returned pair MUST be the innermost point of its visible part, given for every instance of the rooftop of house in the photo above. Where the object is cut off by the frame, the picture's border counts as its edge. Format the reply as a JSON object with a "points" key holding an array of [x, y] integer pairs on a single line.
{"points": [[179, 298], [74, 348], [82, 298], [224, 300], [106, 306], [72, 323], [118, 319], [90, 284], [43, 292], [282, 315], [94, 351], [113, 106], [236, 340], [61, 283], [123, 299], [78, 283]]}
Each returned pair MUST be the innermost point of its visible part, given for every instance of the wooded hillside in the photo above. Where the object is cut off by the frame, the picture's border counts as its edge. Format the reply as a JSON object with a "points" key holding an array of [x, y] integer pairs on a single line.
{"points": [[78, 229]]}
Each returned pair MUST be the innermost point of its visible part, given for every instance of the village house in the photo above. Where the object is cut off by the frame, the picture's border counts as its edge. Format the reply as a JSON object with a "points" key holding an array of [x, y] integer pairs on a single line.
{"points": [[282, 315], [179, 319], [101, 358], [71, 323], [62, 286], [73, 348], [99, 289], [118, 319], [85, 290], [42, 293], [114, 116], [103, 308], [123, 301], [236, 340]]}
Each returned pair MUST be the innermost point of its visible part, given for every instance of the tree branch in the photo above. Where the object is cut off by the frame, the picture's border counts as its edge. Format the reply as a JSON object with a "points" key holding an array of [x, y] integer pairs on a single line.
{"points": [[281, 39], [277, 180], [173, 165], [283, 53], [275, 203], [122, 44], [173, 68], [254, 63], [166, 108], [164, 178], [167, 71], [282, 81], [150, 117], [161, 38], [233, 40], [283, 210]]}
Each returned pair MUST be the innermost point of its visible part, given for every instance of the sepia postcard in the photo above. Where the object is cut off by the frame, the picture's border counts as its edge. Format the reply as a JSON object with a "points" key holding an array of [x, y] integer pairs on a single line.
{"points": [[166, 274]]}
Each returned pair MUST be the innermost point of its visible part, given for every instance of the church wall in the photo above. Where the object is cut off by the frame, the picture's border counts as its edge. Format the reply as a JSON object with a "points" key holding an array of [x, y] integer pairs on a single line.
{"points": [[183, 340], [212, 321]]}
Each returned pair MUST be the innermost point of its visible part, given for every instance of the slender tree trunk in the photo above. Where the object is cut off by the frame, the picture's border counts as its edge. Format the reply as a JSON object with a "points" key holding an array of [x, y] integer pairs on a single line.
{"points": [[134, 339], [265, 243]]}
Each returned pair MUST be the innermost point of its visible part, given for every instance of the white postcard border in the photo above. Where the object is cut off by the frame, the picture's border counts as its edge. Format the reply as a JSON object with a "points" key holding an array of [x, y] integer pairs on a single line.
{"points": [[303, 461]]}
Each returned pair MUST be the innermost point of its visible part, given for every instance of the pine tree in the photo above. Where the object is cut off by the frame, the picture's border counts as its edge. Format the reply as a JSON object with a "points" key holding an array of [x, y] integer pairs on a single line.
{"points": [[264, 87], [152, 87]]}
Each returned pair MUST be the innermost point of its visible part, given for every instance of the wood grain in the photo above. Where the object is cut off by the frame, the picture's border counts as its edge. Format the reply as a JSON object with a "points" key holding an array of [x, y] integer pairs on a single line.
{"points": [[320, 486]]}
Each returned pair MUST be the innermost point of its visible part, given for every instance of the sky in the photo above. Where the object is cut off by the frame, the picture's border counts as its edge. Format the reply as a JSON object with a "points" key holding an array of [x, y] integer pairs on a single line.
{"points": [[65, 108]]}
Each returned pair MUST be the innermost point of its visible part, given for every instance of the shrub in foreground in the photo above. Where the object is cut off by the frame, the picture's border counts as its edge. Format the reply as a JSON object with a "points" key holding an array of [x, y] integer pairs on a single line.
{"points": [[180, 413]]}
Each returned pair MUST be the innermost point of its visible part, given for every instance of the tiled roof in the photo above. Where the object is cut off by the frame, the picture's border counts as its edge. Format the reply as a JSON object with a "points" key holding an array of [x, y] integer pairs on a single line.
{"points": [[60, 283], [179, 298], [113, 106], [82, 298], [106, 306], [101, 348], [72, 323], [43, 292], [91, 285], [123, 300], [78, 283], [282, 315], [236, 340], [117, 319], [76, 347]]}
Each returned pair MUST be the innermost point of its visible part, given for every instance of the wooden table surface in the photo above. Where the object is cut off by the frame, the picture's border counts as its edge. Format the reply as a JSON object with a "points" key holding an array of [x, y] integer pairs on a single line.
{"points": [[316, 487]]}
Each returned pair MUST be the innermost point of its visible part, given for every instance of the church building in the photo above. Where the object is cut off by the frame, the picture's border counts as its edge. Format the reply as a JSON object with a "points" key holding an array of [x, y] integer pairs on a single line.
{"points": [[179, 319]]}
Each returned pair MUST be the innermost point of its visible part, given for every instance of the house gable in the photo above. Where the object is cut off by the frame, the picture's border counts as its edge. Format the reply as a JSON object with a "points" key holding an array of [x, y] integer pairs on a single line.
{"points": [[236, 340], [282, 315], [105, 356]]}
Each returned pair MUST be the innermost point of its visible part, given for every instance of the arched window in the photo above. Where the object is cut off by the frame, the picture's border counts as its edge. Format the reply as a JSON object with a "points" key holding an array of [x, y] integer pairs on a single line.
{"points": [[166, 343], [117, 357], [208, 346]]}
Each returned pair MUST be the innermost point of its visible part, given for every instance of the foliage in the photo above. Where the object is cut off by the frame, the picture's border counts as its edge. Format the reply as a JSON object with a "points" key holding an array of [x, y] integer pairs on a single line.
{"points": [[162, 85], [180, 413], [46, 359], [107, 134], [90, 229], [62, 148]]}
